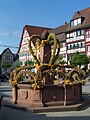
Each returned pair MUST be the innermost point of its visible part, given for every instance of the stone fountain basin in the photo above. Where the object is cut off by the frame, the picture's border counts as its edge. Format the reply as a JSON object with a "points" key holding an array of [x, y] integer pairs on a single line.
{"points": [[47, 95]]}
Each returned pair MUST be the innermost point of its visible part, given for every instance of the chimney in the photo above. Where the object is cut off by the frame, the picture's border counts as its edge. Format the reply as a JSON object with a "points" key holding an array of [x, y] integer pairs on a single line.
{"points": [[78, 12], [65, 23]]}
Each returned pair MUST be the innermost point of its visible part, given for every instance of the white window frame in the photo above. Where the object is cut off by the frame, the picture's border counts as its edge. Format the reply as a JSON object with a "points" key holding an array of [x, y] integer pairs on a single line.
{"points": [[68, 35], [88, 48], [79, 21], [75, 22]]}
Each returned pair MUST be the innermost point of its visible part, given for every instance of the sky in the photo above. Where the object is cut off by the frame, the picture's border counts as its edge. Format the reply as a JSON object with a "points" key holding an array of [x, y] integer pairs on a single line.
{"points": [[15, 14]]}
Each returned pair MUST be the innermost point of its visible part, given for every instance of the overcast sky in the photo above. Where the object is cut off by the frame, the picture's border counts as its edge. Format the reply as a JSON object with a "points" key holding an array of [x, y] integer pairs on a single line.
{"points": [[15, 14]]}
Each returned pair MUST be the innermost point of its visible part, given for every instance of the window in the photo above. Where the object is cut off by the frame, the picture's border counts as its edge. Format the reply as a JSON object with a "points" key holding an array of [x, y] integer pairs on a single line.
{"points": [[74, 34], [75, 22], [72, 24], [78, 33], [29, 54], [64, 44], [71, 35], [83, 44], [88, 34], [72, 45], [79, 44], [69, 46], [88, 48], [8, 52], [82, 32], [67, 35], [8, 57], [75, 45], [79, 21]]}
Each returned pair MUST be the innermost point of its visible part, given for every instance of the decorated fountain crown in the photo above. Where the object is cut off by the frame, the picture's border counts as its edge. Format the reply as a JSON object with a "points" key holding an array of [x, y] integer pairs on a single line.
{"points": [[45, 53]]}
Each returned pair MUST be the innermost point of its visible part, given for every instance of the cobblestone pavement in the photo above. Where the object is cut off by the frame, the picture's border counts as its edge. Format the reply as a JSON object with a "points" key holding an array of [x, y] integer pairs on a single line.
{"points": [[13, 114]]}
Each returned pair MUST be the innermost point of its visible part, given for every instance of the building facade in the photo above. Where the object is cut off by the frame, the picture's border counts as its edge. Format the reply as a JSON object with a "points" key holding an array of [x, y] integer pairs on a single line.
{"points": [[7, 57], [75, 33], [87, 40], [28, 31], [73, 36], [60, 33]]}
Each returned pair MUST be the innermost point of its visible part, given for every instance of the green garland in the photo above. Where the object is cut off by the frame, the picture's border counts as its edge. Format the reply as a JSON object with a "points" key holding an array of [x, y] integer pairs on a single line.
{"points": [[44, 69], [38, 38], [13, 75], [52, 39]]}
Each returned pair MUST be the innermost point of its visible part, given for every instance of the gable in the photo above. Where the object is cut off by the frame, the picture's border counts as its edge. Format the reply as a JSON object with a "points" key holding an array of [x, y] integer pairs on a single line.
{"points": [[7, 56], [24, 42], [84, 15], [7, 51], [29, 31]]}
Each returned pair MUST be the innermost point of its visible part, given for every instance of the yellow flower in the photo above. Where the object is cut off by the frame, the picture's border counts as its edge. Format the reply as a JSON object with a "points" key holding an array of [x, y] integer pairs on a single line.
{"points": [[67, 81], [71, 83], [76, 80], [83, 82], [35, 86]]}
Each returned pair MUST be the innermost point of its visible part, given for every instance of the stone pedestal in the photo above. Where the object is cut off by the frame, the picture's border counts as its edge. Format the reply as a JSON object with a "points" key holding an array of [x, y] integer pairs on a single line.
{"points": [[45, 53], [48, 95]]}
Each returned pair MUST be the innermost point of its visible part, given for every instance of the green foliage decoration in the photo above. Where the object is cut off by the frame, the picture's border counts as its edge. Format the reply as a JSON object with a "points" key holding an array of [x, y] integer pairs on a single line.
{"points": [[42, 70], [38, 38], [56, 46]]}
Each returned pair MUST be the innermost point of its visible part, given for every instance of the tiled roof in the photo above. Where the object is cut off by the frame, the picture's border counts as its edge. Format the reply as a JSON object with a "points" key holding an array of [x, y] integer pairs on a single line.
{"points": [[85, 13], [33, 30], [59, 30], [5, 51]]}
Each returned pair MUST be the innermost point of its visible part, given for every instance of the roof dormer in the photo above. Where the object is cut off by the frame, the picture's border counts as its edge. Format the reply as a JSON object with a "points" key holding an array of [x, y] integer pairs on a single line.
{"points": [[76, 22]]}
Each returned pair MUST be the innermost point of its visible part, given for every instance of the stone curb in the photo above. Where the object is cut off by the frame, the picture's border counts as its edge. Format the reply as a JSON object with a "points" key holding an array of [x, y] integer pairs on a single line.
{"points": [[77, 107]]}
